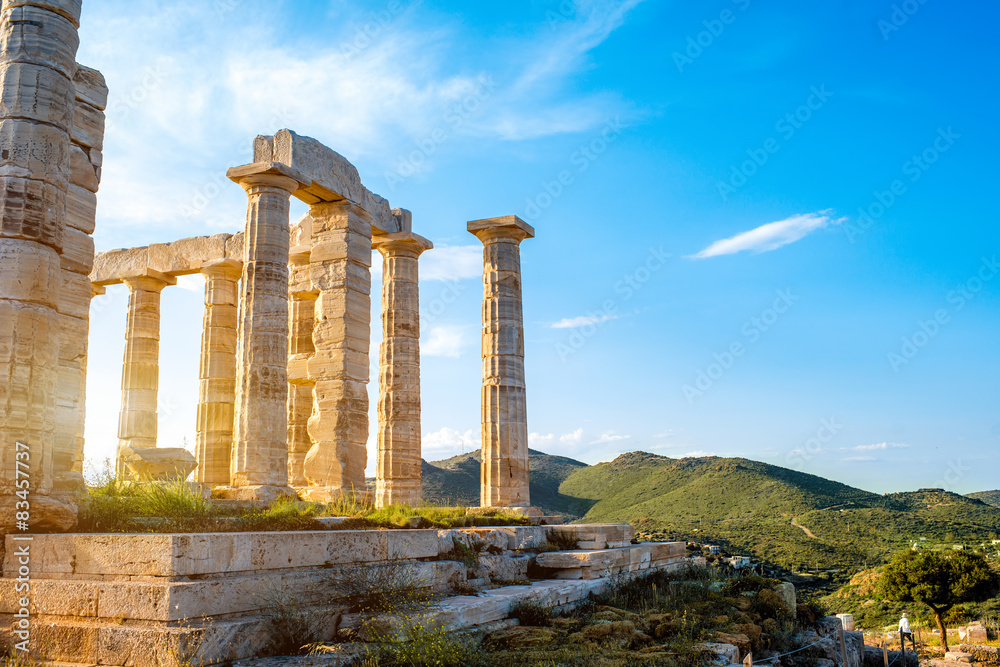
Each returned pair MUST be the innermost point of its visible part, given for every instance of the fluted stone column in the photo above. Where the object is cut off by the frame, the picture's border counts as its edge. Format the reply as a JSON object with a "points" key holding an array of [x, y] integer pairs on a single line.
{"points": [[217, 375], [300, 349], [504, 479], [341, 275], [38, 44], [137, 422], [397, 470], [259, 464]]}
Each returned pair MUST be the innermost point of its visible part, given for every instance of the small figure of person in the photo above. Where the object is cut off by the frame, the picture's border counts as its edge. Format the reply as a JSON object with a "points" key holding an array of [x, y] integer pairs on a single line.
{"points": [[906, 633]]}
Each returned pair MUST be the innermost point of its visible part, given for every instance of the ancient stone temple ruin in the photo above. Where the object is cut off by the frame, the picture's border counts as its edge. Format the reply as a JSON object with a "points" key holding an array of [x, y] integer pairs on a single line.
{"points": [[282, 401]]}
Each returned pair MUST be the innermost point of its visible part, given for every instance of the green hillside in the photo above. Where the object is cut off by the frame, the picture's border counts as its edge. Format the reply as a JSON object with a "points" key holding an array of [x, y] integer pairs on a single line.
{"points": [[455, 481], [988, 497], [796, 520]]}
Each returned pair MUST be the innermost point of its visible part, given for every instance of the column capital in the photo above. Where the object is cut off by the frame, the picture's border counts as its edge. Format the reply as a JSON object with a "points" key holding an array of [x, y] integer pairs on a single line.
{"points": [[269, 174], [505, 228], [222, 268], [149, 280], [401, 243]]}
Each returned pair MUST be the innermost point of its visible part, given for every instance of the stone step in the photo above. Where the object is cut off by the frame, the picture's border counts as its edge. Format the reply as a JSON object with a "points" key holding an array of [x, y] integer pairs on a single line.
{"points": [[598, 535], [124, 556], [581, 564]]}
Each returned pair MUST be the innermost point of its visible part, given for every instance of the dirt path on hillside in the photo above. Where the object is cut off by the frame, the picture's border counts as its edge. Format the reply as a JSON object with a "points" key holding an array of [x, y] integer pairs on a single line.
{"points": [[804, 529]]}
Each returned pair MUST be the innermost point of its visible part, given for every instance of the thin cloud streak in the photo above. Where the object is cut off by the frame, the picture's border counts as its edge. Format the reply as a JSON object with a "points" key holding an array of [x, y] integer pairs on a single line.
{"points": [[771, 236]]}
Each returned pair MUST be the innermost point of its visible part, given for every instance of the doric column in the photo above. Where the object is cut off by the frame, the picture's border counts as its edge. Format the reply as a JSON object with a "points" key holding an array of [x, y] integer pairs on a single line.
{"points": [[259, 464], [504, 478], [38, 42], [217, 375], [301, 316], [137, 422], [397, 470], [341, 275]]}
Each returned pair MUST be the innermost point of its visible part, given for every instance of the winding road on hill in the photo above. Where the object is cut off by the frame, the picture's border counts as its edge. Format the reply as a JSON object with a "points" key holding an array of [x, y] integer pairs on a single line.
{"points": [[804, 529]]}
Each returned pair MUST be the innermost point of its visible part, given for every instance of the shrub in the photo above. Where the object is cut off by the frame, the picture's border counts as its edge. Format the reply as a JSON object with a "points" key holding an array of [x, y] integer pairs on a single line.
{"points": [[563, 541], [424, 647], [531, 614], [389, 587]]}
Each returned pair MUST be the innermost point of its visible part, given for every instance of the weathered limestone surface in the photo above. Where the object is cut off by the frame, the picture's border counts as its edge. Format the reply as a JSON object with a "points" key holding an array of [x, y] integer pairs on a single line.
{"points": [[76, 261], [259, 466], [340, 274], [36, 112], [504, 406], [331, 178], [217, 375], [301, 314], [608, 562], [182, 257], [397, 471]]}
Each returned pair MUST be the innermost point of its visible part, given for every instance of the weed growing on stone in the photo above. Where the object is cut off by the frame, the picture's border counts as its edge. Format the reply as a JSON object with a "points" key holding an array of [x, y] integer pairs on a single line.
{"points": [[531, 614]]}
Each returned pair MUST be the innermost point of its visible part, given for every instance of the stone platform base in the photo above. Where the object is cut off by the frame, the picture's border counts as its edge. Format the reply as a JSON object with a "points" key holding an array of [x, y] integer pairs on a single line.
{"points": [[145, 600], [265, 493]]}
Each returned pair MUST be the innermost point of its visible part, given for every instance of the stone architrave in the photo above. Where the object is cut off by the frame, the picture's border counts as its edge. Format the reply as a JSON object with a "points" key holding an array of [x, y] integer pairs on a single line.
{"points": [[217, 376], [504, 478], [300, 349], [397, 470], [137, 422], [259, 464], [38, 43], [340, 266]]}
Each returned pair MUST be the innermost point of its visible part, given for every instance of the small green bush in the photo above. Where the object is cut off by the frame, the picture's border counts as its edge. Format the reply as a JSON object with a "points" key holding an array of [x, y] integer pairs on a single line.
{"points": [[531, 614]]}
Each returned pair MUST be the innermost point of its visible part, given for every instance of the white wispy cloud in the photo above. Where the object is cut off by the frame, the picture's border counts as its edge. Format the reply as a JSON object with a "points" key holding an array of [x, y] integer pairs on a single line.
{"points": [[697, 454], [860, 458], [881, 446], [443, 341], [537, 439], [575, 436], [452, 263], [191, 89], [583, 320], [447, 442], [772, 235], [610, 436]]}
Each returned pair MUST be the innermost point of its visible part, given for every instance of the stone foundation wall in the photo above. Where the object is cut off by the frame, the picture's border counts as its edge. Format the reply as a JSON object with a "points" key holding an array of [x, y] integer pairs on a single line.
{"points": [[146, 599]]}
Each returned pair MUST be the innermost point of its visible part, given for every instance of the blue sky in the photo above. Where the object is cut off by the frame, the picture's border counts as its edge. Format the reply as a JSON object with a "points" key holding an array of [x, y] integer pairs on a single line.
{"points": [[760, 226]]}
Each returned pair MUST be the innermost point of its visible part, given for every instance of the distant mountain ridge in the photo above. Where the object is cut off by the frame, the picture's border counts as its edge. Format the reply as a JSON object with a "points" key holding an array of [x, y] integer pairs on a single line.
{"points": [[796, 520], [988, 497]]}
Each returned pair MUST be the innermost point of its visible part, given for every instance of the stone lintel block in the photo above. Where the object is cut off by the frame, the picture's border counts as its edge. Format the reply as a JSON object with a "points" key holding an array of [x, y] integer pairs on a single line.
{"points": [[509, 224], [331, 177], [90, 87], [138, 273]]}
